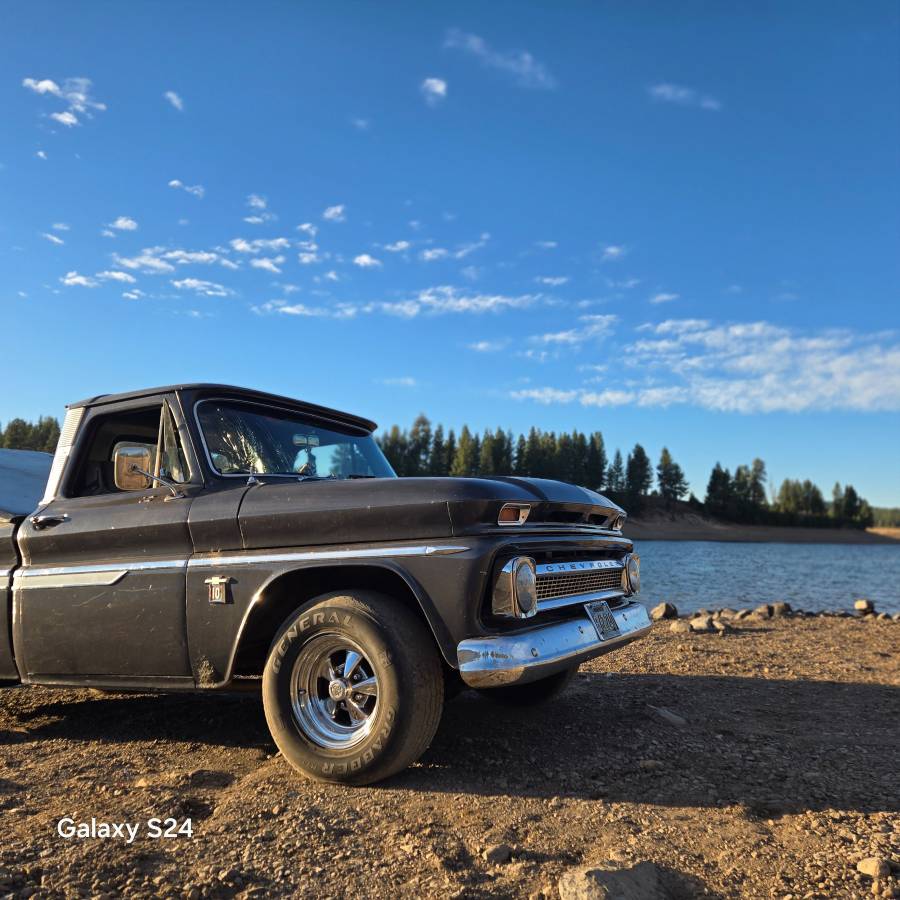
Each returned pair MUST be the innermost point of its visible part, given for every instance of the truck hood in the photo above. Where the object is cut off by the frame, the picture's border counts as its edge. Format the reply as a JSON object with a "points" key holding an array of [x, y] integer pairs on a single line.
{"points": [[284, 514]]}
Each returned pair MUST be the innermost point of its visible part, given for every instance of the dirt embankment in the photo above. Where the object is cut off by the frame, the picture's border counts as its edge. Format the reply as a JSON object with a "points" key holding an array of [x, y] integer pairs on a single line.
{"points": [[760, 762], [685, 525]]}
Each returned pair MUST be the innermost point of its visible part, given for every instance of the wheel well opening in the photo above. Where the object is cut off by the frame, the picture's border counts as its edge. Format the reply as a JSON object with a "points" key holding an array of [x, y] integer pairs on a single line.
{"points": [[293, 589]]}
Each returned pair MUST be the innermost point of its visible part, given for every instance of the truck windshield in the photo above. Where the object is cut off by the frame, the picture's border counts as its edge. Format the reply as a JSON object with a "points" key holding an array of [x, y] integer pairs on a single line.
{"points": [[243, 439]]}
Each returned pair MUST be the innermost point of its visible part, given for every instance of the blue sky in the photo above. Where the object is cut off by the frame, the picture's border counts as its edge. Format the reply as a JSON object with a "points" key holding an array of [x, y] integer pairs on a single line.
{"points": [[677, 224]]}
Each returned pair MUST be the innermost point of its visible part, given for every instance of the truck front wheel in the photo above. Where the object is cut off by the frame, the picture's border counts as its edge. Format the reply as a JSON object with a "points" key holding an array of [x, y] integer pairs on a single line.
{"points": [[353, 688]]}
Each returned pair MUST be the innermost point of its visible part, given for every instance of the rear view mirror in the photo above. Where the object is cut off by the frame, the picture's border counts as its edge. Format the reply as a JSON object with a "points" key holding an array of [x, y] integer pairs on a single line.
{"points": [[125, 457], [306, 441]]}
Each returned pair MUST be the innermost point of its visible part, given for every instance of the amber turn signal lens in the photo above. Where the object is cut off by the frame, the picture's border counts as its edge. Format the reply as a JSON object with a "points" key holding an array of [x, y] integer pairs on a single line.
{"points": [[513, 514]]}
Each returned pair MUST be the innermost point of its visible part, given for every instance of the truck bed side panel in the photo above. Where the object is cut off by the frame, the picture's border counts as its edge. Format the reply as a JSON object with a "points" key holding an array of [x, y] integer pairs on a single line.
{"points": [[8, 561]]}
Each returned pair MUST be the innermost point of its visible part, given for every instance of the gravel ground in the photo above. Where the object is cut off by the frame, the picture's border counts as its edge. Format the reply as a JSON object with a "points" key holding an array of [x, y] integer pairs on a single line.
{"points": [[757, 763]]}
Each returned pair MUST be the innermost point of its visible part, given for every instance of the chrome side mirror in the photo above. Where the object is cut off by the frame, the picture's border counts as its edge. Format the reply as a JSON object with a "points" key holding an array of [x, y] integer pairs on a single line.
{"points": [[126, 457]]}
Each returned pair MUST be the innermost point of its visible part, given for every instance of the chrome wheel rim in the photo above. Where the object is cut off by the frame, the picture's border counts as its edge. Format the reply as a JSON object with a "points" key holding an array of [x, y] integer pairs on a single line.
{"points": [[334, 692]]}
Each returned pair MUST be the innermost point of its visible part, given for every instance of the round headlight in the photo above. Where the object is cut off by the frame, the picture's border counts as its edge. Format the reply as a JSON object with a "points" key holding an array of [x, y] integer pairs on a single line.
{"points": [[525, 581], [634, 573]]}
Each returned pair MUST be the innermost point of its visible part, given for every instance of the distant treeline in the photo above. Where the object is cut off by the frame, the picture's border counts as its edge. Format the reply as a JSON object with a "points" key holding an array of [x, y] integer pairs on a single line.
{"points": [[22, 435], [582, 459]]}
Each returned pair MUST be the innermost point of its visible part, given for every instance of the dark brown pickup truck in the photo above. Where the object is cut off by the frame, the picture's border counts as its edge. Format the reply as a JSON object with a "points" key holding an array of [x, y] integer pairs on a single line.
{"points": [[205, 537]]}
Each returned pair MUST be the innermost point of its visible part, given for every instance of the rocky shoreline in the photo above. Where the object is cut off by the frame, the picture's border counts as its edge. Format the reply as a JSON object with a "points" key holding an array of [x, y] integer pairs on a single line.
{"points": [[759, 765]]}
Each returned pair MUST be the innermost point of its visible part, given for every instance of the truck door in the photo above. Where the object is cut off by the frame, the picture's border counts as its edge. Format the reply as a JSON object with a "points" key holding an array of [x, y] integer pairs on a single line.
{"points": [[100, 596]]}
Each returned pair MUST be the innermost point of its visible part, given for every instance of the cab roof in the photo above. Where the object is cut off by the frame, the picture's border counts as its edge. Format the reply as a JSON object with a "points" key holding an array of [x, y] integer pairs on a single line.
{"points": [[232, 392]]}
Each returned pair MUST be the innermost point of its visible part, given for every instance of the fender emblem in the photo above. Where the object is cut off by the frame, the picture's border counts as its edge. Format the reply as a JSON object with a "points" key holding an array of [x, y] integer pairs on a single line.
{"points": [[218, 589]]}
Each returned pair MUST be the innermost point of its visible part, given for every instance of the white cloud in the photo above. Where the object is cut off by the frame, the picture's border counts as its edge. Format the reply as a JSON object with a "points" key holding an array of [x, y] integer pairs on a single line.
{"points": [[148, 261], [197, 190], [340, 311], [52, 238], [60, 226], [361, 124], [446, 299], [205, 288], [434, 253], [133, 294], [683, 96], [590, 327], [434, 90], [257, 201], [74, 92], [613, 252], [664, 298], [463, 250], [175, 100], [403, 381], [552, 280], [546, 245], [114, 275], [364, 261], [261, 213], [255, 246], [309, 228], [124, 223], [73, 279], [545, 395], [270, 264], [397, 246], [334, 213], [487, 346], [194, 257], [69, 119], [525, 70]]}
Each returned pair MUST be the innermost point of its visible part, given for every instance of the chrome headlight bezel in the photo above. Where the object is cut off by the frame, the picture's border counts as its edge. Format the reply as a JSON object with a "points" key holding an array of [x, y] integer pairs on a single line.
{"points": [[515, 590], [631, 573]]}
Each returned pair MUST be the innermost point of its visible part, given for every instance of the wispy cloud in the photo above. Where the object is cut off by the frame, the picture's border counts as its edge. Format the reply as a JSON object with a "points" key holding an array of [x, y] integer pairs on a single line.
{"points": [[260, 213], [524, 69], [403, 381], [175, 100], [365, 261], [433, 254], [204, 288], [683, 96], [664, 297], [241, 245], [546, 245], [397, 246], [434, 90], [552, 280], [197, 190], [488, 346], [60, 226], [361, 124], [751, 367], [41, 154], [147, 261], [75, 93], [270, 264], [613, 252], [52, 238], [115, 275], [588, 328], [334, 213], [124, 223], [73, 279]]}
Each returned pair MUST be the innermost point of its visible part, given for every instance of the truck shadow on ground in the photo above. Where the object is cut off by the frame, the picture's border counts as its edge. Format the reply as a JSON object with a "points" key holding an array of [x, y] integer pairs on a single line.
{"points": [[772, 746]]}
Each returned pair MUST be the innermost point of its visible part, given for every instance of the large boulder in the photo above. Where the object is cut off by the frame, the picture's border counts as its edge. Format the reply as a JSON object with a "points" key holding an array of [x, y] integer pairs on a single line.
{"points": [[641, 882], [664, 611]]}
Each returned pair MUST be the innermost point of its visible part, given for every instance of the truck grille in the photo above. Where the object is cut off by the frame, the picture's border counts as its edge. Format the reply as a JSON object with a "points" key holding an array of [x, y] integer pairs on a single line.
{"points": [[567, 584]]}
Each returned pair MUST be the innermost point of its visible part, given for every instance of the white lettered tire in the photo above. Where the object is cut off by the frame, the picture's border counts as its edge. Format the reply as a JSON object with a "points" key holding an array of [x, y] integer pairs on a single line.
{"points": [[353, 687]]}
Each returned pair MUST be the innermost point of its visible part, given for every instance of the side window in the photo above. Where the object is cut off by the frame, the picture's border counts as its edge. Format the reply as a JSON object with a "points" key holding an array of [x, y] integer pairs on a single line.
{"points": [[146, 438]]}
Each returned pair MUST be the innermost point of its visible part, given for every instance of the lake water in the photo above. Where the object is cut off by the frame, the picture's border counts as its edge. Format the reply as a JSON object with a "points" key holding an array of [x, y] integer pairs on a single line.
{"points": [[695, 574]]}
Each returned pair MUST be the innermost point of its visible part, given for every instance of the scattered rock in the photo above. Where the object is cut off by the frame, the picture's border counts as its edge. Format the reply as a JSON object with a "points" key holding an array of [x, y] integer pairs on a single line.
{"points": [[883, 617], [764, 611], [780, 608], [744, 613], [668, 716], [680, 626], [641, 882], [863, 606], [874, 866], [648, 765], [497, 854], [702, 624], [664, 611], [723, 627]]}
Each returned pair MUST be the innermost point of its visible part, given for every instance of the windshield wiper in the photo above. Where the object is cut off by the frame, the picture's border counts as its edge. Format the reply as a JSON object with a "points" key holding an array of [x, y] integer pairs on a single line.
{"points": [[355, 475]]}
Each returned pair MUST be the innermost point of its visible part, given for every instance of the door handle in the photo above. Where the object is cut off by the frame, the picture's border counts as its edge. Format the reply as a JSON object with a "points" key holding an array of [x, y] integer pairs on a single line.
{"points": [[50, 521]]}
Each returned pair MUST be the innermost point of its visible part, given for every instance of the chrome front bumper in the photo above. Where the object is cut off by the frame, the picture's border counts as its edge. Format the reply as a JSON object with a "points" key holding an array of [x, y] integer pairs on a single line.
{"points": [[533, 654]]}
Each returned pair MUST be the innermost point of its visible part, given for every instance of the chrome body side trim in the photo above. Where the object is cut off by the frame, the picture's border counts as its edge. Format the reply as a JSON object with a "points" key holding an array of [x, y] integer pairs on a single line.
{"points": [[248, 559], [529, 655], [73, 580], [231, 559]]}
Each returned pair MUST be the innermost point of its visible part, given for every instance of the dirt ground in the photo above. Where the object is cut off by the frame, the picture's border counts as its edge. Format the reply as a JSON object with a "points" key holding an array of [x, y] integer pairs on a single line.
{"points": [[780, 774]]}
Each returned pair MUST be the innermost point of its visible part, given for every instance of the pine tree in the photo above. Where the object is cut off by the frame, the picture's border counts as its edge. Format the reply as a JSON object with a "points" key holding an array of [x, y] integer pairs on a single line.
{"points": [[487, 461], [521, 456], [437, 458], [672, 484], [465, 459], [718, 492], [418, 446], [595, 462], [615, 477], [638, 474]]}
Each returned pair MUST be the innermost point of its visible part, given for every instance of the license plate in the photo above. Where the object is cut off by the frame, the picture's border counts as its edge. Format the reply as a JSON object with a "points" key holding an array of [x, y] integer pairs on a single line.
{"points": [[602, 617]]}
